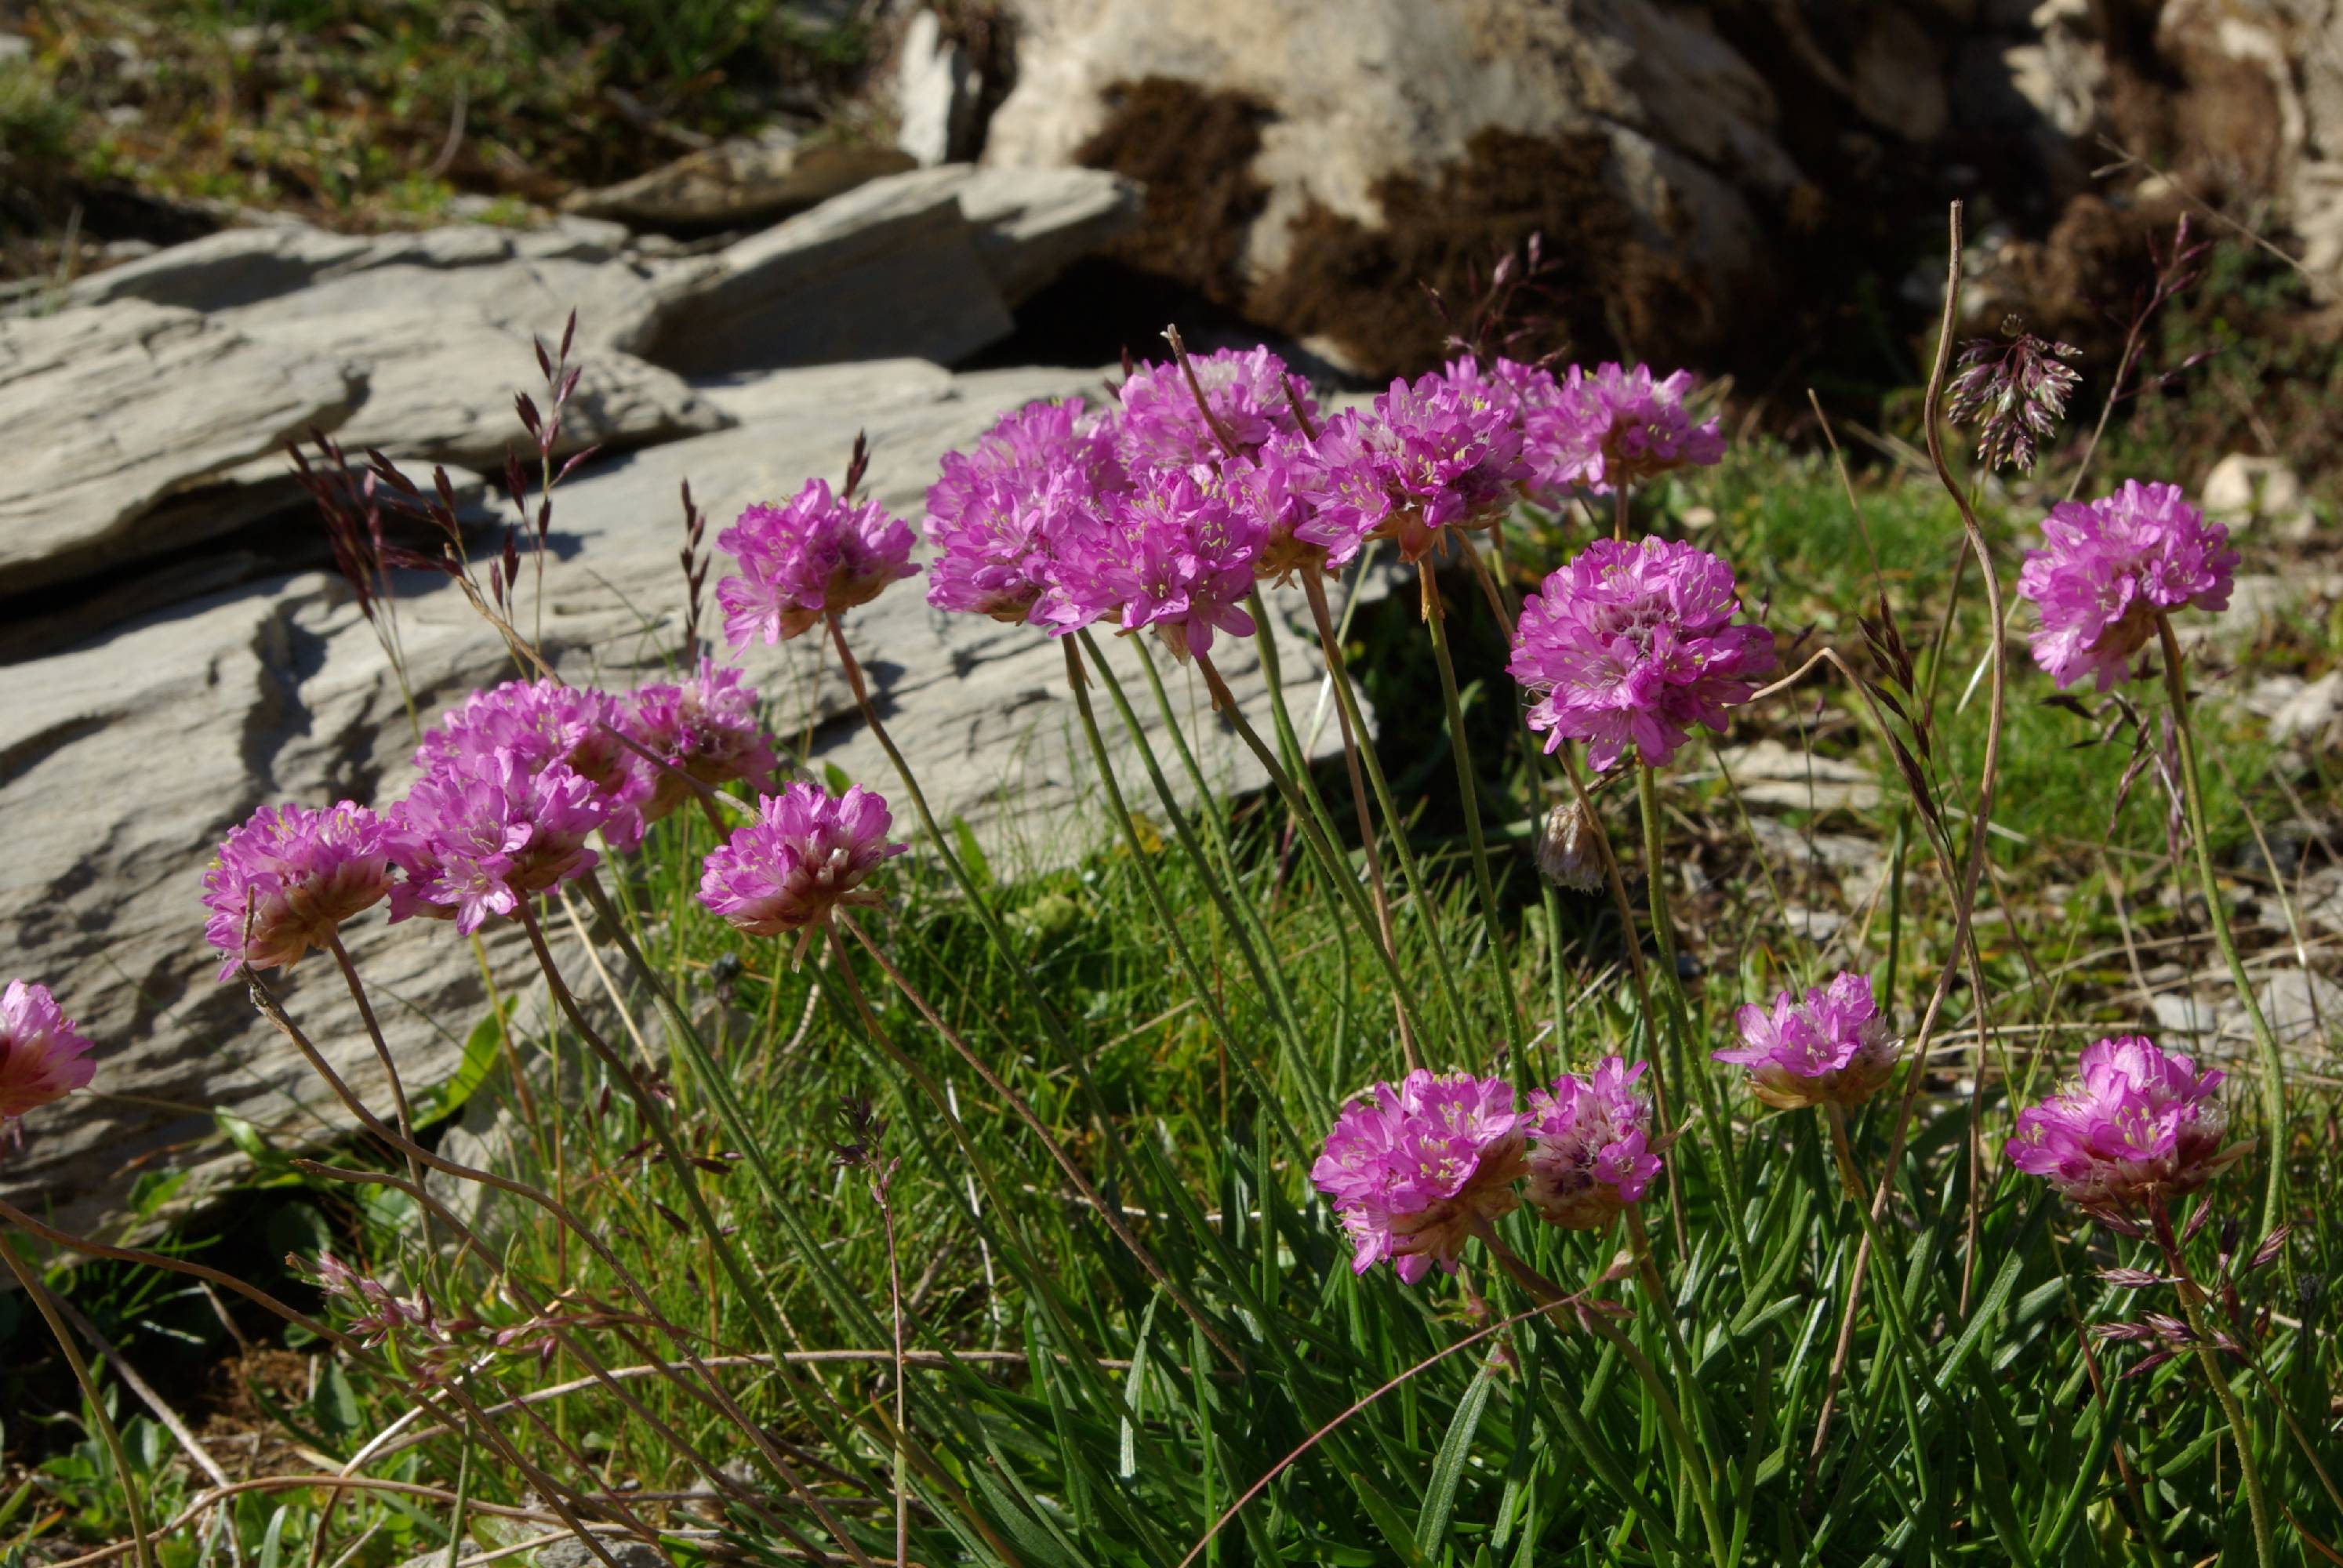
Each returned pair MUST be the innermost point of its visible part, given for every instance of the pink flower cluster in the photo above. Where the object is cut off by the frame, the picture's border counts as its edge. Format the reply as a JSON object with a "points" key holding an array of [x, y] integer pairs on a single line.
{"points": [[1615, 426], [996, 514], [1414, 1169], [1632, 643], [2137, 1123], [2108, 569], [1833, 1047], [812, 556], [42, 1056], [1590, 1147], [706, 729], [1175, 557], [1443, 451], [287, 879], [807, 853], [1162, 429]]}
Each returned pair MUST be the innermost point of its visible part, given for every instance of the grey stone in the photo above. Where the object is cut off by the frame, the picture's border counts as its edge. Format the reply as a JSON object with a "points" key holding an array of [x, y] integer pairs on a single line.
{"points": [[111, 412], [742, 181], [935, 89], [2304, 1011], [123, 760], [2243, 490], [1767, 774]]}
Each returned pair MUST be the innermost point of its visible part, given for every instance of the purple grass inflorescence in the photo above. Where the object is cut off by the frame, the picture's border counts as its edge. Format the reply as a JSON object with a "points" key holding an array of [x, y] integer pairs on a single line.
{"points": [[1632, 643], [808, 852], [42, 1056], [1831, 1046], [2135, 1123], [2108, 569], [287, 877], [1413, 1169], [1590, 1147], [812, 556]]}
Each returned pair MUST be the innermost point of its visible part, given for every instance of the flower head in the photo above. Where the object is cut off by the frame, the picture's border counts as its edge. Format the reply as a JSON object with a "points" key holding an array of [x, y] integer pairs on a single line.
{"points": [[1832, 1047], [807, 852], [2108, 569], [2135, 1120], [996, 514], [1414, 1168], [539, 723], [707, 727], [1175, 555], [2015, 390], [1617, 426], [1161, 427], [477, 838], [812, 556], [1634, 642], [1590, 1153], [42, 1057], [286, 879], [1443, 451]]}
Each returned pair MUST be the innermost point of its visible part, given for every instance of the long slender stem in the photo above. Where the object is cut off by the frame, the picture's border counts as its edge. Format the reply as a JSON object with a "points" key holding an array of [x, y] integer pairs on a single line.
{"points": [[382, 1054], [1468, 791], [2192, 1307], [39, 1296], [2175, 686]]}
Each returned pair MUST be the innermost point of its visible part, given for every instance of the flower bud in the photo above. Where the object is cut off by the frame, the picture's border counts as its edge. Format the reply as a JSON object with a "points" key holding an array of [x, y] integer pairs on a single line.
{"points": [[1566, 855]]}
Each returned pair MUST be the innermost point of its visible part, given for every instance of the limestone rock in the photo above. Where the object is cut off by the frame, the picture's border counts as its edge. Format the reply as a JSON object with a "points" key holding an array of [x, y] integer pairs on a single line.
{"points": [[111, 412], [740, 182], [2243, 489], [936, 88]]}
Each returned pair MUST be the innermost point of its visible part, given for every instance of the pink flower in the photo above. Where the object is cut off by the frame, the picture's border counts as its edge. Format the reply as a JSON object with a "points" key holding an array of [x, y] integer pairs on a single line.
{"points": [[807, 853], [1632, 643], [1414, 1169], [1589, 1155], [1617, 426], [538, 723], [1161, 427], [707, 727], [286, 879], [2108, 569], [1832, 1047], [477, 836], [1440, 452], [810, 557], [997, 512], [2135, 1122], [1175, 557], [42, 1057]]}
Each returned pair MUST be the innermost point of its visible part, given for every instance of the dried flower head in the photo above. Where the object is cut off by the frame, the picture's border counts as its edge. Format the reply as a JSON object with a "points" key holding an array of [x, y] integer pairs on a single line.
{"points": [[808, 852], [1413, 1169], [1631, 643], [43, 1055], [1617, 426], [2013, 389], [1160, 425], [1566, 853], [2134, 1121], [1834, 1047], [2108, 569], [285, 881], [995, 515], [1590, 1153], [812, 556], [706, 728], [476, 835]]}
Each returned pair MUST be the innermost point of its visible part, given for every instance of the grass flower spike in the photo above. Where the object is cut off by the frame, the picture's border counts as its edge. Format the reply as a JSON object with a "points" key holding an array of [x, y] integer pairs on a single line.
{"points": [[287, 879], [808, 852], [812, 556], [1832, 1048], [42, 1057], [2108, 569], [1413, 1169], [1589, 1155], [707, 728], [2135, 1120], [1632, 643]]}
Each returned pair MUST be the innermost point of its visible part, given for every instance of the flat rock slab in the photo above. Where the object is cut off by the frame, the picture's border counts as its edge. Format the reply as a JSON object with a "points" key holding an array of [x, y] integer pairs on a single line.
{"points": [[109, 412], [739, 182], [124, 760]]}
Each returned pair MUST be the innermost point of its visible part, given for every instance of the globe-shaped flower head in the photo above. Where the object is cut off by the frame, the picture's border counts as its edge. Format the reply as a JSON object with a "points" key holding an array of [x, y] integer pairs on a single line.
{"points": [[480, 833], [1633, 642], [1590, 1150], [1618, 427], [995, 516], [812, 556], [1174, 555], [539, 723], [42, 1057], [286, 879], [1833, 1047], [1413, 1169], [706, 729], [2109, 569], [808, 852], [1439, 452], [2135, 1123], [1161, 427]]}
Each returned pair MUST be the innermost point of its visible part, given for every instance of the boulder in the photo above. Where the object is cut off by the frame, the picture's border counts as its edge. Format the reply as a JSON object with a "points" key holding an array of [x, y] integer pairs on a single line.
{"points": [[112, 412], [936, 90], [740, 182], [124, 760]]}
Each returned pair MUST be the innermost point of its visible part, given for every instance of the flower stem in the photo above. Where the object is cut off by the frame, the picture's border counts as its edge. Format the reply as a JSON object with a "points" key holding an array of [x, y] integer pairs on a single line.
{"points": [[390, 1069], [39, 1296], [1468, 793], [2192, 1307], [2175, 686]]}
